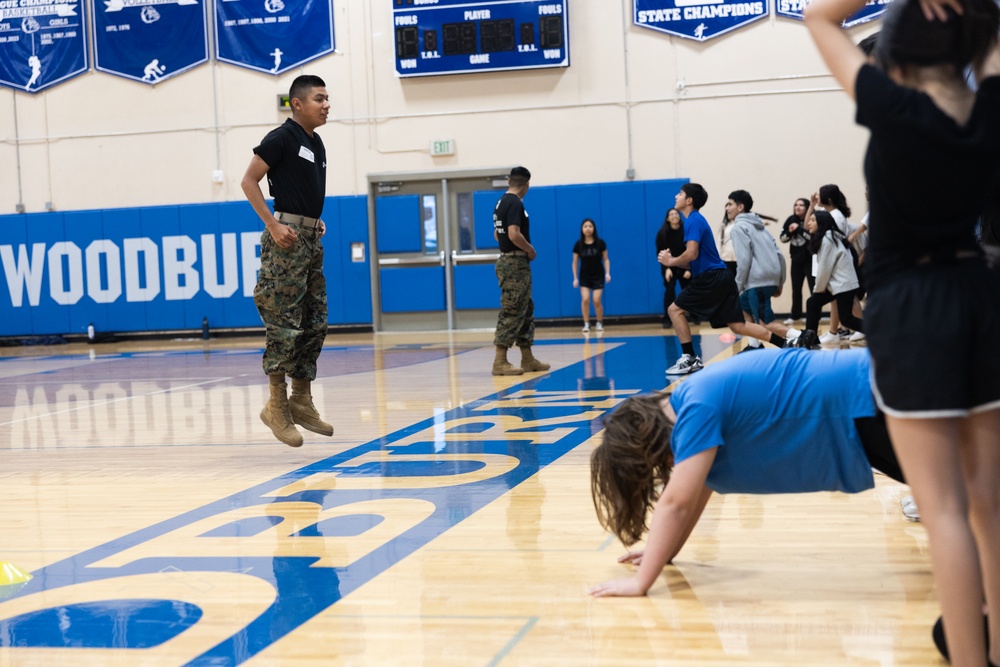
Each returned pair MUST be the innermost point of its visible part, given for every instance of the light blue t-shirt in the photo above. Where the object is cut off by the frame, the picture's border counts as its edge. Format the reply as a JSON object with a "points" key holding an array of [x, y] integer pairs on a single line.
{"points": [[783, 421], [696, 229]]}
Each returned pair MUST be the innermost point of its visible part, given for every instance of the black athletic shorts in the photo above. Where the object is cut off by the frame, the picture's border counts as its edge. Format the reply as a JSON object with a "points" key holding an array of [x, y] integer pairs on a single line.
{"points": [[592, 282], [933, 332], [712, 296]]}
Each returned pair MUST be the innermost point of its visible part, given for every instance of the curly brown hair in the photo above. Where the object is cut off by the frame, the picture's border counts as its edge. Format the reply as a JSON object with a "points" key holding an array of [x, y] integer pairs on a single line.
{"points": [[631, 465]]}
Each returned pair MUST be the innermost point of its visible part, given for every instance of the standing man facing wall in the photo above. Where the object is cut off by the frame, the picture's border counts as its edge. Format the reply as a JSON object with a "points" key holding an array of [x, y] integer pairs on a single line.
{"points": [[516, 322], [291, 288]]}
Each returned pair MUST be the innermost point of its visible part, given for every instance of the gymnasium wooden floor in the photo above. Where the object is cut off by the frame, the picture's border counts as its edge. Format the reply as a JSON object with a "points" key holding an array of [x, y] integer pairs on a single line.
{"points": [[447, 522]]}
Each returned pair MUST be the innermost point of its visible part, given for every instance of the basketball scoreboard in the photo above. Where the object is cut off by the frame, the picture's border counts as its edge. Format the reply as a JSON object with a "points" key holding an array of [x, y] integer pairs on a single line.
{"points": [[458, 36]]}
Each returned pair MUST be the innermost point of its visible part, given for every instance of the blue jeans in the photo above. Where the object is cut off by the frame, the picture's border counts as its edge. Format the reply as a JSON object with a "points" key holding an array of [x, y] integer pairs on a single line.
{"points": [[757, 302]]}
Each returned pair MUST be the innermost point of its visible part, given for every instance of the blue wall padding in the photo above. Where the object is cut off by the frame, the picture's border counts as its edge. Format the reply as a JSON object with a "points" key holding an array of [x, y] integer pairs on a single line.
{"points": [[161, 247]]}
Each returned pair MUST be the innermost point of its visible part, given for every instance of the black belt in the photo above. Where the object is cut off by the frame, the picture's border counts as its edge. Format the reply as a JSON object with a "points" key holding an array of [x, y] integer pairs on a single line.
{"points": [[301, 220], [515, 253]]}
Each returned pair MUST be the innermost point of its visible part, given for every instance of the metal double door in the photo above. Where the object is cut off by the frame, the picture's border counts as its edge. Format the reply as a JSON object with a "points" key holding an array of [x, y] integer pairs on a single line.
{"points": [[433, 251]]}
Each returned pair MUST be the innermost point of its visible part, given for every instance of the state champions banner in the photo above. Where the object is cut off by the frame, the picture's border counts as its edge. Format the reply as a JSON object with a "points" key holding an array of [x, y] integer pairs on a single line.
{"points": [[793, 9], [42, 42], [149, 40], [698, 19], [273, 36]]}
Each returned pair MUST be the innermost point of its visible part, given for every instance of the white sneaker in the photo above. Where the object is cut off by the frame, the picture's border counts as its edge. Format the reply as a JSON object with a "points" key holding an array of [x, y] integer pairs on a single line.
{"points": [[688, 363], [829, 337], [856, 337], [909, 507], [586, 327], [599, 327], [792, 334], [789, 322]]}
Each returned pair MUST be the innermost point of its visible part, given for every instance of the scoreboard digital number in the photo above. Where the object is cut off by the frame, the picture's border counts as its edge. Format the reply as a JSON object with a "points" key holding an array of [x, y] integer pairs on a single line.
{"points": [[459, 36]]}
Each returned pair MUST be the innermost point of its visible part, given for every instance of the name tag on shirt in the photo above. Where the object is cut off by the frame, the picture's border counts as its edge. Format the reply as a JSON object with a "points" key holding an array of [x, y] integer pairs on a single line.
{"points": [[307, 154]]}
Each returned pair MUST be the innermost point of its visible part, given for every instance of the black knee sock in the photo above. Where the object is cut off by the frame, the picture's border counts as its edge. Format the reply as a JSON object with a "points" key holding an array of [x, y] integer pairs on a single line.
{"points": [[777, 340], [688, 348]]}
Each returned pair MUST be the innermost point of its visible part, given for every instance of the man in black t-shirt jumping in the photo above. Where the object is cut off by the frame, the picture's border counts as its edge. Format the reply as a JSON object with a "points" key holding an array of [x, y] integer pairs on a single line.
{"points": [[291, 289], [516, 322]]}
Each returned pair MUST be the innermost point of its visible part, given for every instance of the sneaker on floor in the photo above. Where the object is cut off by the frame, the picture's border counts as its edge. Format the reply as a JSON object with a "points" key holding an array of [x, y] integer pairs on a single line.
{"points": [[829, 337], [910, 509], [856, 337], [844, 333], [688, 363], [598, 327], [806, 340], [789, 322], [586, 327]]}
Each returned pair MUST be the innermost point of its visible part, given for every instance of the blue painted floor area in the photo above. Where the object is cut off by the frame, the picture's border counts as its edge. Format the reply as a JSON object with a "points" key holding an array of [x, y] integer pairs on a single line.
{"points": [[495, 443]]}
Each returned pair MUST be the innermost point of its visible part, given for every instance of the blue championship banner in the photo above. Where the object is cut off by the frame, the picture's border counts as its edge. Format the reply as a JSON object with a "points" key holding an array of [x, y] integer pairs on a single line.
{"points": [[793, 9], [149, 40], [42, 42], [697, 19], [270, 35]]}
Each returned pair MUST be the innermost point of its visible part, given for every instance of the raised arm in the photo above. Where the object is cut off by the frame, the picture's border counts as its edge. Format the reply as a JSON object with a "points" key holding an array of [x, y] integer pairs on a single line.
{"points": [[824, 19], [674, 516], [991, 65]]}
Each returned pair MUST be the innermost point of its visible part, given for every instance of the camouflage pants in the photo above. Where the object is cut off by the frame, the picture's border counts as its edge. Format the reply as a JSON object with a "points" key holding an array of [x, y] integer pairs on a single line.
{"points": [[516, 324], [291, 298]]}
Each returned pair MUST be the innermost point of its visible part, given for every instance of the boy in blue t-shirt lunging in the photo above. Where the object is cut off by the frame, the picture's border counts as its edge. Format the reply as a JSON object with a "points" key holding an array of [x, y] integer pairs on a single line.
{"points": [[712, 294]]}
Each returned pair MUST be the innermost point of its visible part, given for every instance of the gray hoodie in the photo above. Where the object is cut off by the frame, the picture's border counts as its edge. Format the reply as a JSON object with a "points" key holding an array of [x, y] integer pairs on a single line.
{"points": [[759, 262]]}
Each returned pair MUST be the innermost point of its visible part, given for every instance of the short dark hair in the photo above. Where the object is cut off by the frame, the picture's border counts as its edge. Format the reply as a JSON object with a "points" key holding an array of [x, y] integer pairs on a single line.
{"points": [[518, 177], [303, 84], [908, 38], [697, 194], [742, 197]]}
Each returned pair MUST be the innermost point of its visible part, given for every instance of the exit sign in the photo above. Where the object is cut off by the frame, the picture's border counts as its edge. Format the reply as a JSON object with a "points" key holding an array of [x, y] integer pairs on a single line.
{"points": [[443, 147]]}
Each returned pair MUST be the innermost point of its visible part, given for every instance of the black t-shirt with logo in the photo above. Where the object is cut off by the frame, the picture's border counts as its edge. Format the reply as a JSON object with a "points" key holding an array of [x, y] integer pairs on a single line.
{"points": [[510, 211], [591, 258], [296, 175]]}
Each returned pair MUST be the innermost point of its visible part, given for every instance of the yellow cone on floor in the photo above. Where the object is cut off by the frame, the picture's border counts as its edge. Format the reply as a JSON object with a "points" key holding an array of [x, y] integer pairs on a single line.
{"points": [[12, 579]]}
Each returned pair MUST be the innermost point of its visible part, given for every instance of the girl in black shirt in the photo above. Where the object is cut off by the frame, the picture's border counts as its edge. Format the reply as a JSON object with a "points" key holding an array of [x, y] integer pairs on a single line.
{"points": [[933, 155], [794, 233], [671, 237], [591, 269]]}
